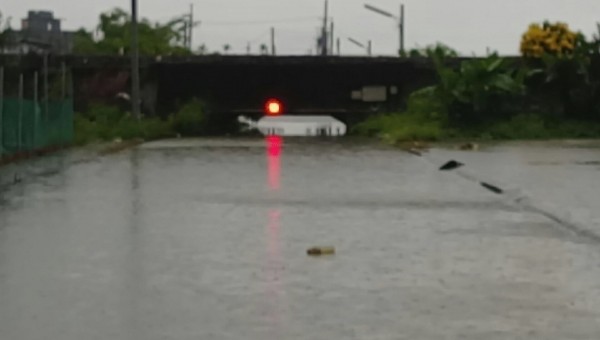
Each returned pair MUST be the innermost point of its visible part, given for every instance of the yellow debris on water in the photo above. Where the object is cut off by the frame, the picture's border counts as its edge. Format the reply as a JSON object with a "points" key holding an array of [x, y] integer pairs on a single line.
{"points": [[319, 251]]}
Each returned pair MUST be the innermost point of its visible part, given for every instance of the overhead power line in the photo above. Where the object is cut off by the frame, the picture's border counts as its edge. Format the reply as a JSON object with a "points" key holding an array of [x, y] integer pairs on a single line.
{"points": [[260, 22]]}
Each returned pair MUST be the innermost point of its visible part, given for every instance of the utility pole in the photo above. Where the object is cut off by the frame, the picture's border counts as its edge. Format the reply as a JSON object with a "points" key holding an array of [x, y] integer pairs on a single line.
{"points": [[188, 28], [399, 19], [1, 110], [339, 50], [191, 27], [273, 41], [369, 48], [135, 62], [324, 39], [331, 40], [401, 28], [186, 31]]}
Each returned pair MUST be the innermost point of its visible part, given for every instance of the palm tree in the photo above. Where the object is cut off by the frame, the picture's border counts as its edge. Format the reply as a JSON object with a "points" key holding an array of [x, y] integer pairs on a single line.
{"points": [[226, 48]]}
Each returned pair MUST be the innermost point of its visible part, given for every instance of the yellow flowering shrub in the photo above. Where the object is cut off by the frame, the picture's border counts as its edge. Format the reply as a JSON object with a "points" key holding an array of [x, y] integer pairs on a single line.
{"points": [[555, 39]]}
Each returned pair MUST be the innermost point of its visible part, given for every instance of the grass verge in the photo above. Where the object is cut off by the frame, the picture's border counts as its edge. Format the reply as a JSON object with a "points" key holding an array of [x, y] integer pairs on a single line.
{"points": [[397, 128], [107, 123]]}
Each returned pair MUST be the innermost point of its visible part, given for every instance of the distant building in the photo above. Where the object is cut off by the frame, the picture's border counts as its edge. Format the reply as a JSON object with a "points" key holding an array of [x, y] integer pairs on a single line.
{"points": [[40, 33]]}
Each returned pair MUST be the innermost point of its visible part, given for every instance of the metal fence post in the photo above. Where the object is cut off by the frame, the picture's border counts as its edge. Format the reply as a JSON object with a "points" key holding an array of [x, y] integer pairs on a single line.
{"points": [[63, 68], [135, 62], [35, 106], [20, 118], [46, 85], [1, 111], [63, 95]]}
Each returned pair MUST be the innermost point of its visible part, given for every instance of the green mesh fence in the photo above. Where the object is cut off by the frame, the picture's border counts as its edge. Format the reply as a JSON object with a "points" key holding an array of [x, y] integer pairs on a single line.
{"points": [[27, 126]]}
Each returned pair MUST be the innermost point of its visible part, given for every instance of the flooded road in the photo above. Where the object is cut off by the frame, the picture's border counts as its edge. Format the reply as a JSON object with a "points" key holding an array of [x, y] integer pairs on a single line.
{"points": [[207, 239]]}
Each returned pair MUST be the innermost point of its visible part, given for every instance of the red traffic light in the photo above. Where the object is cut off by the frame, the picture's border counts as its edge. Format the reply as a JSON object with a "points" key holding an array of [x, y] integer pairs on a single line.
{"points": [[273, 107]]}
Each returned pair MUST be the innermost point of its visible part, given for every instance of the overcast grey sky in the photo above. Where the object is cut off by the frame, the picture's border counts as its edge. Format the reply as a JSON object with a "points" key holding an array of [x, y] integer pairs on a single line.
{"points": [[467, 25]]}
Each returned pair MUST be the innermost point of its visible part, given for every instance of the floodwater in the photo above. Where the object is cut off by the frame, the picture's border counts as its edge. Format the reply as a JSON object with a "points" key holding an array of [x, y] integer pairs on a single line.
{"points": [[207, 239]]}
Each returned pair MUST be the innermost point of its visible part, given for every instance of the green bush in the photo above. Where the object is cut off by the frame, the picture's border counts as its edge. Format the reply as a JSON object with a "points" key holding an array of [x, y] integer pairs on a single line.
{"points": [[191, 119], [394, 128], [426, 104], [480, 91], [531, 126], [86, 131], [520, 127], [105, 123], [147, 129], [576, 129], [104, 114], [412, 127], [423, 120]]}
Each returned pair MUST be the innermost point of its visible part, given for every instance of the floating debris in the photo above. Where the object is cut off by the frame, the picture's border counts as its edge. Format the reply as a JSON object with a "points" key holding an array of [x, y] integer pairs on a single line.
{"points": [[319, 251], [492, 188], [451, 165], [119, 145], [414, 152], [469, 147], [420, 146], [589, 163]]}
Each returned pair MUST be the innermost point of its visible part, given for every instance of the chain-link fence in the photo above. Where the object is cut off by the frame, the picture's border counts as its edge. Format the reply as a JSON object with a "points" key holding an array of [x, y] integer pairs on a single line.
{"points": [[36, 108]]}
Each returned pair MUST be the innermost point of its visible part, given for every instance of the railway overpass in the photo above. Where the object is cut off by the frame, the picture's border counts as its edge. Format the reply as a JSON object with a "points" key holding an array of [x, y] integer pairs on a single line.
{"points": [[349, 88]]}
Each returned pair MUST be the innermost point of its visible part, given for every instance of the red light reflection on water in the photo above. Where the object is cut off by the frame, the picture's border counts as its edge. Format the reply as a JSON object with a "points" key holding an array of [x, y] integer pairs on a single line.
{"points": [[274, 259], [274, 145]]}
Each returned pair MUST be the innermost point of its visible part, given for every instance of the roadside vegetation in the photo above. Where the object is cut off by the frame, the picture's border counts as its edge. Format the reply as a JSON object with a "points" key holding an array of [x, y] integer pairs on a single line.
{"points": [[553, 92], [114, 27], [105, 123]]}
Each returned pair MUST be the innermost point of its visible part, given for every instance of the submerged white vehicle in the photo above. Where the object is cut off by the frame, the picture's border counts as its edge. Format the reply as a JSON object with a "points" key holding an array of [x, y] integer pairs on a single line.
{"points": [[275, 122]]}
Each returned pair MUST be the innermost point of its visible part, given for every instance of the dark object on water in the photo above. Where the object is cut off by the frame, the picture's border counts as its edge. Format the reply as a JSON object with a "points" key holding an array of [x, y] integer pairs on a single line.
{"points": [[589, 163], [318, 251], [492, 188], [451, 165]]}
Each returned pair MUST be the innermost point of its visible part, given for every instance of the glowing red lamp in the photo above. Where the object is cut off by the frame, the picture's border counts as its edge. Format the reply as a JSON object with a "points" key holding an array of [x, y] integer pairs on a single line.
{"points": [[273, 107]]}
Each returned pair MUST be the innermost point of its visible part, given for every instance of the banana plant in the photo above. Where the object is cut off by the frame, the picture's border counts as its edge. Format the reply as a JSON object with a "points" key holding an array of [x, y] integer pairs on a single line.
{"points": [[572, 82], [479, 90], [437, 48]]}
